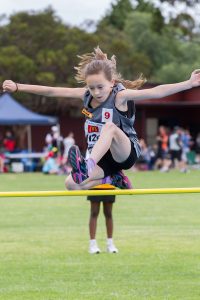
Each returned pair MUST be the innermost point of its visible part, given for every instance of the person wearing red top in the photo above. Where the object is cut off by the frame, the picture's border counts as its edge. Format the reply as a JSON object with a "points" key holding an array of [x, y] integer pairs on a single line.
{"points": [[9, 142]]}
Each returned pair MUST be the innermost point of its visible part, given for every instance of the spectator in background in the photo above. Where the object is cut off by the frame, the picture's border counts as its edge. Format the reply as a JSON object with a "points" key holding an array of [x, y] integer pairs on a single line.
{"points": [[54, 139], [48, 142], [176, 149], [186, 141], [68, 142], [147, 158], [9, 141], [197, 148], [51, 165], [152, 153], [2, 158], [162, 159], [144, 158]]}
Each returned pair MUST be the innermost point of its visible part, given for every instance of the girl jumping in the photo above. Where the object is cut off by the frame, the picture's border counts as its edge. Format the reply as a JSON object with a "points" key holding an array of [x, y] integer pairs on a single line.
{"points": [[109, 108]]}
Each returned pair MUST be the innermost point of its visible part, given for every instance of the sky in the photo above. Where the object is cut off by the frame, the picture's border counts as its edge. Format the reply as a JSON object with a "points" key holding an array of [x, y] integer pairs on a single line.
{"points": [[72, 12]]}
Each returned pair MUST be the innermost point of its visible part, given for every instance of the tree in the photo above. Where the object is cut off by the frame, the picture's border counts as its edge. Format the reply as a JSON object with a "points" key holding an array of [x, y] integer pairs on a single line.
{"points": [[184, 24], [117, 15], [187, 2], [38, 48], [157, 22], [145, 41]]}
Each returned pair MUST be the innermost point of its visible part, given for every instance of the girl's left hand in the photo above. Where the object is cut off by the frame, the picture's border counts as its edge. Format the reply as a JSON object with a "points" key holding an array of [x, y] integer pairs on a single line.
{"points": [[195, 78]]}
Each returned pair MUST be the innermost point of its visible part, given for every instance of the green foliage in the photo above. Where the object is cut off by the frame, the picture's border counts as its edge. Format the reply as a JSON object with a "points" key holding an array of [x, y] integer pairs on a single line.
{"points": [[15, 64], [157, 22], [147, 42], [185, 24], [173, 72], [117, 15], [130, 63], [37, 48]]}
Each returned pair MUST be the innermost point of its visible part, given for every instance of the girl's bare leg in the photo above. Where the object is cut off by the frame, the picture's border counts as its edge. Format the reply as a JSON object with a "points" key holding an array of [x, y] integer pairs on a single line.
{"points": [[112, 138], [107, 209], [109, 225], [94, 212], [95, 179]]}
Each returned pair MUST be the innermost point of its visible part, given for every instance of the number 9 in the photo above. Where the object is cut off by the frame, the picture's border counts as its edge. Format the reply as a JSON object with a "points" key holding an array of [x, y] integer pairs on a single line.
{"points": [[107, 115]]}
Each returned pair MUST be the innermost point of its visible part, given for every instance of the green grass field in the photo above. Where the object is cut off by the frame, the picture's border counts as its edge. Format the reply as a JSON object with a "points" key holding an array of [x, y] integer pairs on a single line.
{"points": [[44, 243]]}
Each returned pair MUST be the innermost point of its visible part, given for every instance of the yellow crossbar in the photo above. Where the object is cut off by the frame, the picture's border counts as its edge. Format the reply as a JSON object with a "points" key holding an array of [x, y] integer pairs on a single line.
{"points": [[101, 192]]}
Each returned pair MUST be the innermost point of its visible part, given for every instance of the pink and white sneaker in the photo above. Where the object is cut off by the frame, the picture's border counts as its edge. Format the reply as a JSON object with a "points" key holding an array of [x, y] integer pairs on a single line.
{"points": [[121, 181], [81, 169]]}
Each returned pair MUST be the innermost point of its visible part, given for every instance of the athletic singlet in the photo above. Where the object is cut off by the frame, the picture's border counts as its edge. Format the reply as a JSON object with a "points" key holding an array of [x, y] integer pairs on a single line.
{"points": [[107, 112]]}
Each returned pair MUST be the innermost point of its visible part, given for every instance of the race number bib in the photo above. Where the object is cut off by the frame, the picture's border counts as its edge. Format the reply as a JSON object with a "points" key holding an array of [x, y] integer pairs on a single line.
{"points": [[92, 132], [107, 115]]}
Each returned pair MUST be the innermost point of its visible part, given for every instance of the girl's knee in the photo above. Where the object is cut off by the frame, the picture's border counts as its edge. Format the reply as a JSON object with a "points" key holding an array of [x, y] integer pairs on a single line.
{"points": [[109, 127], [94, 214], [107, 214], [94, 211], [107, 210]]}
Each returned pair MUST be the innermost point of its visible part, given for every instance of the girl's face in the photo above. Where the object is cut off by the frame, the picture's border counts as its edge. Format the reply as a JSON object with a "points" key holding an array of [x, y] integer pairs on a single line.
{"points": [[99, 86]]}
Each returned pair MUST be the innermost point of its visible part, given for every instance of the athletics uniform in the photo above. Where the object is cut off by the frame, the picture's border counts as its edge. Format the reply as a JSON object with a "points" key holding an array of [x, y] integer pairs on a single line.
{"points": [[107, 112]]}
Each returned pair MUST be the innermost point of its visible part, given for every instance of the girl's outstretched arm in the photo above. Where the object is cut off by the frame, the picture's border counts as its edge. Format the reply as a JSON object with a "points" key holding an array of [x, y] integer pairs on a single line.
{"points": [[162, 90], [11, 87]]}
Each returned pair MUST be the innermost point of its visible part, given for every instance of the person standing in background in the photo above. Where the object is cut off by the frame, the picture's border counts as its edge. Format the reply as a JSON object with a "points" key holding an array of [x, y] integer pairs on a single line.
{"points": [[197, 148], [68, 142], [162, 159], [176, 149], [9, 141]]}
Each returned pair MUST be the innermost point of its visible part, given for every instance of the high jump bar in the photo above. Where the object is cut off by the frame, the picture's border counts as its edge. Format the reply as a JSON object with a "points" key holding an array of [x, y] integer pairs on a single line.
{"points": [[102, 192]]}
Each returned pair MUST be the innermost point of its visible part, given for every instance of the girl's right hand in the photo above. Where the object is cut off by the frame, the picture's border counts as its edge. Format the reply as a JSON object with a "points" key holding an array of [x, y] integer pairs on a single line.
{"points": [[9, 86]]}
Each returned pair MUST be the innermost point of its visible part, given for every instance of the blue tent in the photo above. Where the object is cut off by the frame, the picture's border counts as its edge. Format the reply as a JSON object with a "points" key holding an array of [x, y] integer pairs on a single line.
{"points": [[13, 113]]}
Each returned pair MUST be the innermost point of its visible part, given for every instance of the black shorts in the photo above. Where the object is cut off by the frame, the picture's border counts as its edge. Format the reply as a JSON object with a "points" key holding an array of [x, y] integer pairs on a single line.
{"points": [[162, 154], [110, 166], [176, 154], [104, 199]]}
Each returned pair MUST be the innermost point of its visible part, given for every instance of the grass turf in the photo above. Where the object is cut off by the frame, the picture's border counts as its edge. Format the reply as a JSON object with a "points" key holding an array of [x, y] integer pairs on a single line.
{"points": [[44, 243]]}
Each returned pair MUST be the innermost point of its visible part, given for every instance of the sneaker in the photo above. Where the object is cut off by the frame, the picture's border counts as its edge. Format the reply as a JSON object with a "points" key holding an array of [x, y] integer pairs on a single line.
{"points": [[164, 169], [184, 170], [121, 181], [94, 249], [79, 167], [112, 249]]}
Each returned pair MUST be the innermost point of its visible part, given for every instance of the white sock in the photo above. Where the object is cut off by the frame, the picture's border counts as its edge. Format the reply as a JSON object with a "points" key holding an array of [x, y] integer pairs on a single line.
{"points": [[109, 241], [93, 242]]}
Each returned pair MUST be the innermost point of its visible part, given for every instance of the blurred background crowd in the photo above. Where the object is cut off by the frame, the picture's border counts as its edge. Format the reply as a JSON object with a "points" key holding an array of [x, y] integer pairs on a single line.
{"points": [[52, 160], [175, 148]]}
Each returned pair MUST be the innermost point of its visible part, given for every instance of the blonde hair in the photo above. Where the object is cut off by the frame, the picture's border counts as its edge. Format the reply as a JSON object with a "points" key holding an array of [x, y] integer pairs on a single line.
{"points": [[96, 62]]}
